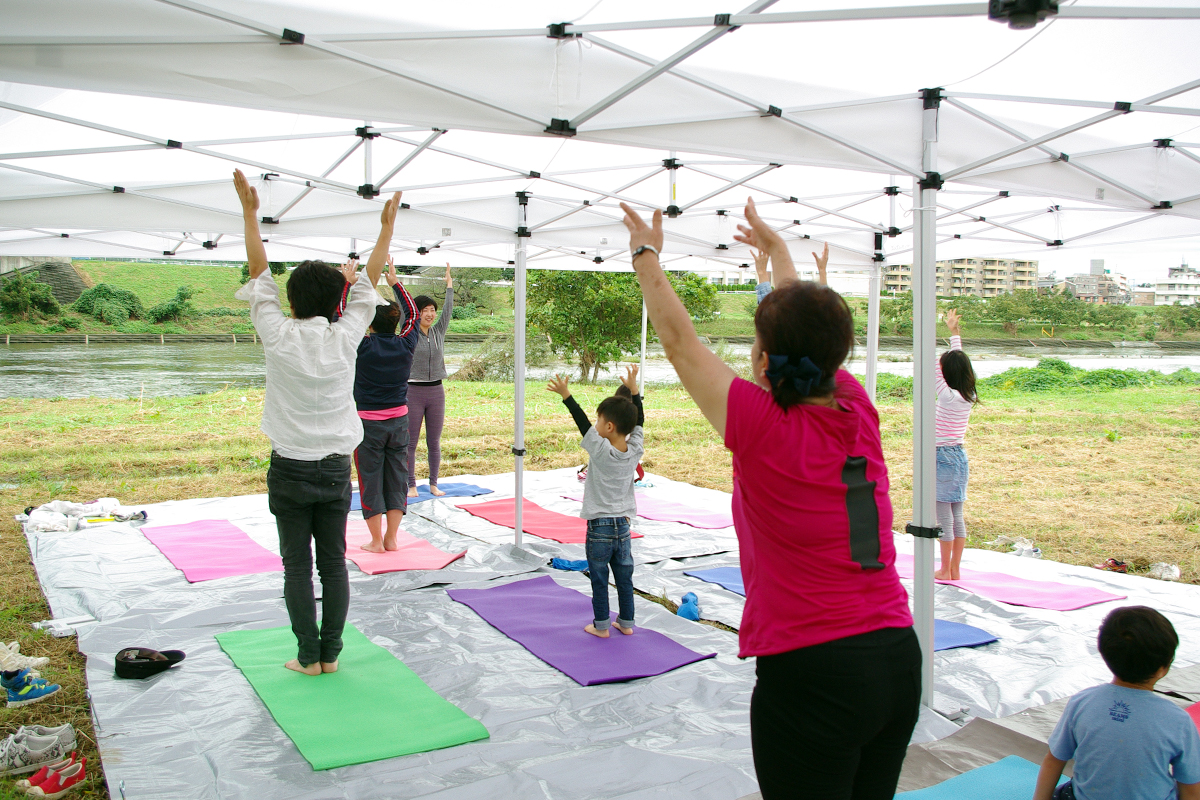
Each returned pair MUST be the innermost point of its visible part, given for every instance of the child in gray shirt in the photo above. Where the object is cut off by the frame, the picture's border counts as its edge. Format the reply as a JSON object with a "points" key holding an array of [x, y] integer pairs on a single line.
{"points": [[614, 445]]}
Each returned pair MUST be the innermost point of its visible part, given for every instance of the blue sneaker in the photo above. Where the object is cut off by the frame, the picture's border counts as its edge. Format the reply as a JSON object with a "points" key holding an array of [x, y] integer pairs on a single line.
{"points": [[23, 689]]}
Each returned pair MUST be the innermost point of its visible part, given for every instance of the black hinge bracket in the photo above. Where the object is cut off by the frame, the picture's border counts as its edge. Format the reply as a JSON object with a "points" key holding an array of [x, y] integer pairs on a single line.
{"points": [[1123, 107], [560, 127], [891, 191], [932, 180], [518, 451], [366, 132], [923, 533], [673, 211], [931, 98], [367, 191], [292, 37]]}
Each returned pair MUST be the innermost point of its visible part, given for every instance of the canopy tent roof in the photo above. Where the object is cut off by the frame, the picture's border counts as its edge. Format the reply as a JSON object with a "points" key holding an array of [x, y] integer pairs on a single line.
{"points": [[817, 159]]}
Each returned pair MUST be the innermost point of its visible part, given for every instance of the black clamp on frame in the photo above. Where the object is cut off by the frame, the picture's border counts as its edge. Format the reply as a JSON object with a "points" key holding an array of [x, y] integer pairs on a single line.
{"points": [[558, 30], [366, 132], [673, 211], [518, 452], [932, 180], [367, 191], [923, 533], [560, 127], [931, 98]]}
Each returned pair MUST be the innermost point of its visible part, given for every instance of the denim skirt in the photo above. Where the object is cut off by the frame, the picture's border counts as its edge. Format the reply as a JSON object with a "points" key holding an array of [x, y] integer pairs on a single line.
{"points": [[952, 470]]}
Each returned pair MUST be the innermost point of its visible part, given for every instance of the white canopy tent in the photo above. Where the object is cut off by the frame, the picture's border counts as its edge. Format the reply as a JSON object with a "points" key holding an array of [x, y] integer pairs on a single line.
{"points": [[515, 144]]}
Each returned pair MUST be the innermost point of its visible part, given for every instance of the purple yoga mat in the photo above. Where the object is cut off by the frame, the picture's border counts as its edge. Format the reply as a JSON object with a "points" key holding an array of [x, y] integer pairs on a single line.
{"points": [[212, 548], [650, 507], [1020, 591], [548, 619]]}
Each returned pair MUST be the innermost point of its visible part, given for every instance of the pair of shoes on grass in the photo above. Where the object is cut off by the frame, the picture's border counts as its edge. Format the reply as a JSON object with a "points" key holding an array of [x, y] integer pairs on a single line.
{"points": [[33, 747], [12, 659], [24, 688], [55, 780]]}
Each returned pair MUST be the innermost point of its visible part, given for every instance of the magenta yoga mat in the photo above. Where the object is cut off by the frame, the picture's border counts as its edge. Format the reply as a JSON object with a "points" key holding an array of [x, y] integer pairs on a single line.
{"points": [[650, 507], [1020, 591], [212, 548], [412, 553], [548, 620], [535, 520]]}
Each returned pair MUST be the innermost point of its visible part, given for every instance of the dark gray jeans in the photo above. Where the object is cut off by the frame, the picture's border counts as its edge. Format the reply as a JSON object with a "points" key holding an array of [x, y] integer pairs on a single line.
{"points": [[310, 501]]}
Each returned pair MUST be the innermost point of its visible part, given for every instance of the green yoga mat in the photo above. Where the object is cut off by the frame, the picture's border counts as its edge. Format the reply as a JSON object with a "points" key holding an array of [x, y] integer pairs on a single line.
{"points": [[372, 708]]}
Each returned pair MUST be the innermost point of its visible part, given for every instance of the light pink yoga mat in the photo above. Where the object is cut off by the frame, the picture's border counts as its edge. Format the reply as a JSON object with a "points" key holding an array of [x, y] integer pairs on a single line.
{"points": [[534, 519], [212, 548], [413, 553], [650, 507], [1020, 591]]}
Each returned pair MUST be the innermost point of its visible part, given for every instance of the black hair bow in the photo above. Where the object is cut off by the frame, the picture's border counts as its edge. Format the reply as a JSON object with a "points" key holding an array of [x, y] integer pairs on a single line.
{"points": [[804, 374]]}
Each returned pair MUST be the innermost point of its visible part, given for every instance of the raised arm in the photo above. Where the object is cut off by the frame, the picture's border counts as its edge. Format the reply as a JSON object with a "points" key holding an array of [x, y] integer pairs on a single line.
{"points": [[256, 254], [822, 262], [387, 223], [706, 377], [443, 322], [630, 379], [761, 236], [408, 308], [559, 386]]}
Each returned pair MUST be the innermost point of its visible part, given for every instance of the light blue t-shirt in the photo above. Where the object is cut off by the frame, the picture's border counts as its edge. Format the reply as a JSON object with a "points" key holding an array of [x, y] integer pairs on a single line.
{"points": [[762, 290], [1125, 743]]}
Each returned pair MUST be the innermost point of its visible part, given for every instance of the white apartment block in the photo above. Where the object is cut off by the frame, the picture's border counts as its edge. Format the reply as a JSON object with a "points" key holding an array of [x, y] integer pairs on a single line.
{"points": [[984, 277], [1181, 286]]}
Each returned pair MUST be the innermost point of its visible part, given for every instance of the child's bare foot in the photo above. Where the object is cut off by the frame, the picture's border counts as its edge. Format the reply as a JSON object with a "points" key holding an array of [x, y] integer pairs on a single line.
{"points": [[412, 491], [955, 575], [311, 669], [594, 631], [329, 666], [942, 575], [389, 542], [436, 492], [627, 631], [374, 546]]}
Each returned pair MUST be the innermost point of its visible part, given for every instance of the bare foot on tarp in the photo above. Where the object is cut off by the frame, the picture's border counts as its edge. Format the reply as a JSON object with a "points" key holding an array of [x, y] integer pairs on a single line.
{"points": [[412, 491], [373, 546], [942, 575], [389, 542], [594, 631], [311, 669], [436, 492], [329, 666], [626, 631]]}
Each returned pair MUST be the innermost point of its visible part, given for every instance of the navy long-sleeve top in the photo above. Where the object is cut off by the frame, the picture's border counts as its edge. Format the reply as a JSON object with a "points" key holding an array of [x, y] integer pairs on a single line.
{"points": [[384, 361]]}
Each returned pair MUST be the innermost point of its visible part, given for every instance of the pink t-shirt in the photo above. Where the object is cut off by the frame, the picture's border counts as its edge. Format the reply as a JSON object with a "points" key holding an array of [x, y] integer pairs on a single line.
{"points": [[813, 520]]}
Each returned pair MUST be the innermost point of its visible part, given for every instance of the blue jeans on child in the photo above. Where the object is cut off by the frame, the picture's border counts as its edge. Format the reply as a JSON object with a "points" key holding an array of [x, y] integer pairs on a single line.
{"points": [[608, 544]]}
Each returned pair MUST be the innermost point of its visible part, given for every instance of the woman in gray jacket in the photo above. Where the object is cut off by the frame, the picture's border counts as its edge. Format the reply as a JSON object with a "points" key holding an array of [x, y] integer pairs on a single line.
{"points": [[426, 395]]}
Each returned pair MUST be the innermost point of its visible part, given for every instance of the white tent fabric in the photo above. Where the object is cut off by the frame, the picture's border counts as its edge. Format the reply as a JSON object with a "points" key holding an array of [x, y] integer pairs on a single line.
{"points": [[575, 105]]}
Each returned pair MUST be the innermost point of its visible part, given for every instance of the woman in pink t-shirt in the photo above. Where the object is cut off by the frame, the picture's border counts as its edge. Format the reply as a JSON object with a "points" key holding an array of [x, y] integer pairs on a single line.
{"points": [[838, 664]]}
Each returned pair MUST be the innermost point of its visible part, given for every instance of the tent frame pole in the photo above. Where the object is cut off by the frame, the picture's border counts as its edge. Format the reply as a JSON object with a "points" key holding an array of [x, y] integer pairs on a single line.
{"points": [[642, 365], [519, 369], [924, 417]]}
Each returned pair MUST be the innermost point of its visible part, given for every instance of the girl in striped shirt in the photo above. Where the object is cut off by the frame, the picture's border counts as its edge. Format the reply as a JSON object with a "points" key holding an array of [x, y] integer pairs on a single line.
{"points": [[954, 382]]}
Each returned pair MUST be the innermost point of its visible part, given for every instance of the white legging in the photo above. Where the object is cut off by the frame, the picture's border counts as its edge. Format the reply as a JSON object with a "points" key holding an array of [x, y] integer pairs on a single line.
{"points": [[950, 517]]}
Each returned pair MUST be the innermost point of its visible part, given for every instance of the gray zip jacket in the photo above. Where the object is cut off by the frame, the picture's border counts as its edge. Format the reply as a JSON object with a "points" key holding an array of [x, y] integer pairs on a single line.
{"points": [[429, 357]]}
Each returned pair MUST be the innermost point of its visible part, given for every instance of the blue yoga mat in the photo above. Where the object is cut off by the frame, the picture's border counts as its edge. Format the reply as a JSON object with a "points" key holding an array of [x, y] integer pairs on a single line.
{"points": [[946, 635], [451, 490], [1011, 778]]}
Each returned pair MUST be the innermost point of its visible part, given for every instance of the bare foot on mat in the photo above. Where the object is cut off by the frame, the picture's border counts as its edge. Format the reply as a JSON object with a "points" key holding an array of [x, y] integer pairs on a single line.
{"points": [[329, 666], [311, 669], [626, 631], [373, 546], [594, 631], [389, 542], [412, 491], [436, 492]]}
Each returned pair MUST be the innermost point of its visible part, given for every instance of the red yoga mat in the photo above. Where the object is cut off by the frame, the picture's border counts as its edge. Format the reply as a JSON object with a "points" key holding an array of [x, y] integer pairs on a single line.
{"points": [[535, 520], [1020, 591], [413, 553]]}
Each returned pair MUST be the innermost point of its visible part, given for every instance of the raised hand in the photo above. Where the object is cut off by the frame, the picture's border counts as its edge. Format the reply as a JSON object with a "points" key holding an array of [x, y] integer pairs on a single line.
{"points": [[388, 216], [952, 322], [760, 263], [449, 280], [247, 194], [392, 277], [558, 385], [630, 378], [350, 270], [639, 232], [822, 261], [759, 235]]}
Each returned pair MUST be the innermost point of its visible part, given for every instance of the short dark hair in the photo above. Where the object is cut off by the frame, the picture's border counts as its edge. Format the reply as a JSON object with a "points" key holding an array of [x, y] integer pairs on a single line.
{"points": [[959, 374], [314, 289], [620, 411], [623, 391], [802, 319], [386, 318], [424, 301], [1136, 642]]}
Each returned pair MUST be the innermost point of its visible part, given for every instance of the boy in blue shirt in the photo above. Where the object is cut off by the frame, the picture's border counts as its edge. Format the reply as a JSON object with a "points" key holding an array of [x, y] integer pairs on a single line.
{"points": [[1128, 743], [615, 446]]}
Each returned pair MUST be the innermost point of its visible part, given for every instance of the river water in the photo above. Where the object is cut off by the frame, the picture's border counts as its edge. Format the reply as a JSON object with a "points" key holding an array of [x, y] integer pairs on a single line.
{"points": [[129, 370]]}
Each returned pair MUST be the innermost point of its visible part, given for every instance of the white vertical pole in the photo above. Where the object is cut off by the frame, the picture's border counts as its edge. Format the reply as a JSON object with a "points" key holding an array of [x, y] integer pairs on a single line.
{"points": [[642, 367], [519, 370], [367, 156], [924, 344], [873, 328]]}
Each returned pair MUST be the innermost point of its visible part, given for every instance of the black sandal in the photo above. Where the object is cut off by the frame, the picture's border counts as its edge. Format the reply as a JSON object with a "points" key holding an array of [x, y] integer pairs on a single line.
{"points": [[142, 662]]}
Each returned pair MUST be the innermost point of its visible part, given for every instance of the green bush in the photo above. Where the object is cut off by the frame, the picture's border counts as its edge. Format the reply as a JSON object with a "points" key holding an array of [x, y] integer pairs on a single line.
{"points": [[69, 323], [175, 309], [225, 311], [23, 295], [109, 304], [465, 311], [496, 358], [1051, 364]]}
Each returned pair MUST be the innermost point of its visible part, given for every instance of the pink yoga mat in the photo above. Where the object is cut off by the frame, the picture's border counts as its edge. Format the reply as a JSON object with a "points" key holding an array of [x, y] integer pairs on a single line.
{"points": [[1020, 591], [535, 520], [1194, 712], [212, 548], [650, 507], [414, 553]]}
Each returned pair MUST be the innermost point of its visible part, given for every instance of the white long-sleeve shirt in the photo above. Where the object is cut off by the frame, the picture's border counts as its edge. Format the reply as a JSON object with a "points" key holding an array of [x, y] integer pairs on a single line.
{"points": [[953, 410], [309, 411]]}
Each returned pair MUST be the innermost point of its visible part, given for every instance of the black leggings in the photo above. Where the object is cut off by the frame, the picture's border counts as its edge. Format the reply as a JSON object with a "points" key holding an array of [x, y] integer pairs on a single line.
{"points": [[833, 721]]}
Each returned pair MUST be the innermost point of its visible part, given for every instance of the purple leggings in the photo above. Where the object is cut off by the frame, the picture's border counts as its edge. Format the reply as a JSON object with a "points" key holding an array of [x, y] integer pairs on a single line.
{"points": [[425, 404]]}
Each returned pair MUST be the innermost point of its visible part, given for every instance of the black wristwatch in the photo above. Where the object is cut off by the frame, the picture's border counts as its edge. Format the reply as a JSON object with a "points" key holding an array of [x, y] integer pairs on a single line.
{"points": [[643, 249]]}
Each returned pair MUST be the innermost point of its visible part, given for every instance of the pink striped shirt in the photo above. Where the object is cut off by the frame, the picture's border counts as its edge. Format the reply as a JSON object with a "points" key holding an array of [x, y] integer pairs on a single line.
{"points": [[953, 410]]}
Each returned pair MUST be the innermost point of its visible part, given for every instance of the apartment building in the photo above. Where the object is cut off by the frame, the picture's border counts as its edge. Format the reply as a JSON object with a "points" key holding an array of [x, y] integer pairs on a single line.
{"points": [[1181, 286], [984, 277]]}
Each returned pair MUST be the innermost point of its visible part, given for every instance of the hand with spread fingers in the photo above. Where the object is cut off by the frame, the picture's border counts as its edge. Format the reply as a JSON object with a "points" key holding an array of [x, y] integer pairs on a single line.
{"points": [[762, 236], [392, 277], [558, 385], [822, 262], [642, 234]]}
